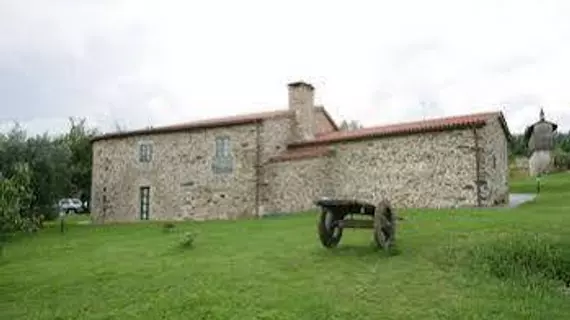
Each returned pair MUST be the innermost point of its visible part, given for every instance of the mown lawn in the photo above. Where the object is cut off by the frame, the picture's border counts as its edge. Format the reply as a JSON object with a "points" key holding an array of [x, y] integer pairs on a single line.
{"points": [[452, 264]]}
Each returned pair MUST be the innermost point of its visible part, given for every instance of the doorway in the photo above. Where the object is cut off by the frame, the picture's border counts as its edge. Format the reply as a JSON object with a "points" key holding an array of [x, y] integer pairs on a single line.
{"points": [[144, 202]]}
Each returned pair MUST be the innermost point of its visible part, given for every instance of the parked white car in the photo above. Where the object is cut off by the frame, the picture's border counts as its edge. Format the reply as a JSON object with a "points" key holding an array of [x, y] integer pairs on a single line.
{"points": [[69, 205]]}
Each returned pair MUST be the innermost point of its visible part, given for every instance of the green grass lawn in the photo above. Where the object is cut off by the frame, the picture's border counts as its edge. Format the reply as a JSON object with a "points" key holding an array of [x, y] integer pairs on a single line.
{"points": [[449, 264]]}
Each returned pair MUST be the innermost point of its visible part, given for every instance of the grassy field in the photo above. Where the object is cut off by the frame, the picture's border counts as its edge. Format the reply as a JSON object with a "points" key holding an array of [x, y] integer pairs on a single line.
{"points": [[449, 264]]}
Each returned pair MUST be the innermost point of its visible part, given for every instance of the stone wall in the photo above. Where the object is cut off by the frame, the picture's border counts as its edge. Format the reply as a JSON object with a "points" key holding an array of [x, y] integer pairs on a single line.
{"points": [[276, 133], [494, 164], [296, 184], [434, 170], [323, 124], [430, 170], [183, 184], [422, 170], [276, 177]]}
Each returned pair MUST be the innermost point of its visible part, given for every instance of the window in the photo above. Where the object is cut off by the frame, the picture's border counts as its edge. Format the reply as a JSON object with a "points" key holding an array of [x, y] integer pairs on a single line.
{"points": [[145, 152], [144, 202], [222, 147], [222, 162]]}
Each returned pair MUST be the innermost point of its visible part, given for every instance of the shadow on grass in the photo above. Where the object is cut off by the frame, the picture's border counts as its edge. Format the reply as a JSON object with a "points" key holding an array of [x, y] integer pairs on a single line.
{"points": [[3, 258], [175, 250], [363, 251]]}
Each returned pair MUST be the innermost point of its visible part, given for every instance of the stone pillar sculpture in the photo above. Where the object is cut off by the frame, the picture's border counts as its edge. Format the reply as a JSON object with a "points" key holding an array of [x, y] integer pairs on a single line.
{"points": [[540, 141]]}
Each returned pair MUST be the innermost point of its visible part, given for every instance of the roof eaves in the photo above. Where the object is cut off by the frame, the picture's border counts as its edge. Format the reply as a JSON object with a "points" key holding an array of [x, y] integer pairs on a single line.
{"points": [[169, 129], [301, 154], [504, 125], [384, 134], [198, 125]]}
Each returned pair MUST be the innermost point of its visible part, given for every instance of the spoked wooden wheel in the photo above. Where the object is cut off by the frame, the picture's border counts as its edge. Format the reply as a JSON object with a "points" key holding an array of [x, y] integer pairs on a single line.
{"points": [[384, 225], [329, 231]]}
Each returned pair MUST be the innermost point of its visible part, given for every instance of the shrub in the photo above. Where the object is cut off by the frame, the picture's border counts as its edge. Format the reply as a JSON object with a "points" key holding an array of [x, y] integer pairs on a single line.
{"points": [[168, 227], [561, 160], [187, 240], [15, 198], [523, 258]]}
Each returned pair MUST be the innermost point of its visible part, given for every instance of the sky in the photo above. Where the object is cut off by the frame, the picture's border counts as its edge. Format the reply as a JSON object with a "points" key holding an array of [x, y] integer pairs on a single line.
{"points": [[140, 63]]}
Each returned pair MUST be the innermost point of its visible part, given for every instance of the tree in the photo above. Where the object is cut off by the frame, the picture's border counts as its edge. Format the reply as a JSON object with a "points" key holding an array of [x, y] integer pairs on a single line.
{"points": [[350, 125], [119, 127], [518, 146], [59, 166], [12, 148], [562, 140], [561, 159], [15, 200], [51, 165], [78, 143]]}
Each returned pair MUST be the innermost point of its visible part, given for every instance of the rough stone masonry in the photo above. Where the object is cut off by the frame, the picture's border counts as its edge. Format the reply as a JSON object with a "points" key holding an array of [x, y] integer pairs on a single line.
{"points": [[281, 161]]}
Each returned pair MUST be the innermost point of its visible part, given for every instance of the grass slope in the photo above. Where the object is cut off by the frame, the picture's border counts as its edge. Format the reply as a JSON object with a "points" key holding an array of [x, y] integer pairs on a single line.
{"points": [[452, 264]]}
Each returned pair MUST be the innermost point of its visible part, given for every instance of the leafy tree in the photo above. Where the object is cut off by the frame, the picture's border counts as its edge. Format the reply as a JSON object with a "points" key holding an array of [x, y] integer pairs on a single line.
{"points": [[350, 125], [78, 143], [58, 166], [12, 149], [15, 200], [50, 162], [562, 141], [561, 159]]}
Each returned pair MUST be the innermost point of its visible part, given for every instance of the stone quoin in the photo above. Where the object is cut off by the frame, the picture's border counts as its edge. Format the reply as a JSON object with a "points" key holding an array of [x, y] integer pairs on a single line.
{"points": [[282, 161]]}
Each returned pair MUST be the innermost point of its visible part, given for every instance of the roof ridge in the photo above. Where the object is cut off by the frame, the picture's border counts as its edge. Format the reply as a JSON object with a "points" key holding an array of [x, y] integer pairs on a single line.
{"points": [[439, 123], [434, 119], [235, 119]]}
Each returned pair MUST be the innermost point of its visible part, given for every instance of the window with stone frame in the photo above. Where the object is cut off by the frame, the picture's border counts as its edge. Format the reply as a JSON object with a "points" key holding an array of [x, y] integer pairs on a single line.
{"points": [[145, 152], [223, 161]]}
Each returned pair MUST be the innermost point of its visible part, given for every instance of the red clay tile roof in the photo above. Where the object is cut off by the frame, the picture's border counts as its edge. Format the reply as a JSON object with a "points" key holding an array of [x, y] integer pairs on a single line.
{"points": [[438, 124], [317, 147], [301, 153], [209, 123]]}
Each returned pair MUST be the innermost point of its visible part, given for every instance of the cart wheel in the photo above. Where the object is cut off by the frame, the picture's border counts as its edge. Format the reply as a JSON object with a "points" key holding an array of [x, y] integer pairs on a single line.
{"points": [[384, 225], [329, 232]]}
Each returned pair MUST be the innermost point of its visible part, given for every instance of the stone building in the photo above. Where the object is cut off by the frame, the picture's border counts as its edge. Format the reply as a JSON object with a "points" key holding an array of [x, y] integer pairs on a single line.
{"points": [[540, 141], [281, 161]]}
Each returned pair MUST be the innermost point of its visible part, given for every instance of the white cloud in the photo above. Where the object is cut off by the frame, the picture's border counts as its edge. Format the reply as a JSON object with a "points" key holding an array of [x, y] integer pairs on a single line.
{"points": [[376, 61]]}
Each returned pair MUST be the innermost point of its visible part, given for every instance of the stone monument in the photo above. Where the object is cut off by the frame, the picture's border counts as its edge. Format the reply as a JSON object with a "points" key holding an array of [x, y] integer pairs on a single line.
{"points": [[539, 138]]}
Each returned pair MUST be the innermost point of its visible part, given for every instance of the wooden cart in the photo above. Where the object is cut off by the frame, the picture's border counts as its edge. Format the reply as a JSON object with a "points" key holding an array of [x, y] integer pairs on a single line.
{"points": [[337, 214]]}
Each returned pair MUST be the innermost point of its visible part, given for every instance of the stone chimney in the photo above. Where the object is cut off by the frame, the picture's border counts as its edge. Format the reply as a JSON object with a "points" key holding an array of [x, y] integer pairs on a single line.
{"points": [[302, 103]]}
